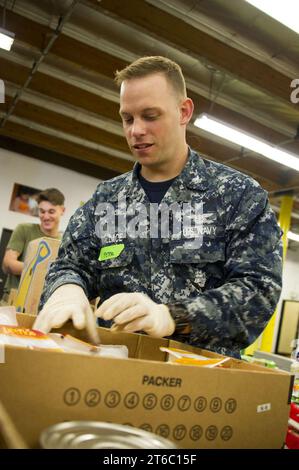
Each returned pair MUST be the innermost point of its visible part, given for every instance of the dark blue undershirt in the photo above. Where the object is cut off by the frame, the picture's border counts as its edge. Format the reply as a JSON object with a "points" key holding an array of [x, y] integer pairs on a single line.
{"points": [[155, 191]]}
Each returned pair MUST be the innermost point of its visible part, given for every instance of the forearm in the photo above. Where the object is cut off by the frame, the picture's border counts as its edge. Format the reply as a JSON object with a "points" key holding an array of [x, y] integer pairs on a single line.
{"points": [[231, 316], [13, 267], [64, 271]]}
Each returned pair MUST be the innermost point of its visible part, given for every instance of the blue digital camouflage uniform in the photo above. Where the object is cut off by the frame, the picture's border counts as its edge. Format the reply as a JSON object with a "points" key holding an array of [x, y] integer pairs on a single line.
{"points": [[227, 289]]}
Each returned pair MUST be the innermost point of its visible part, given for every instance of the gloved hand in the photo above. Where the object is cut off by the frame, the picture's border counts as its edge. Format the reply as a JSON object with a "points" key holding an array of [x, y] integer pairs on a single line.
{"points": [[67, 302], [138, 312]]}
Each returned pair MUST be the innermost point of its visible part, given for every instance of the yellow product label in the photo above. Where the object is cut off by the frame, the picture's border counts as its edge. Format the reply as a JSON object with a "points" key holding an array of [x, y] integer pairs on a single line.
{"points": [[23, 332]]}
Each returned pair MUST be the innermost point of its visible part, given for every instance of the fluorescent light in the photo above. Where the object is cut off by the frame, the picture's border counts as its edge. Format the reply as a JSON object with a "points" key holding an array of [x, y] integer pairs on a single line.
{"points": [[247, 141], [6, 39], [293, 236], [286, 11]]}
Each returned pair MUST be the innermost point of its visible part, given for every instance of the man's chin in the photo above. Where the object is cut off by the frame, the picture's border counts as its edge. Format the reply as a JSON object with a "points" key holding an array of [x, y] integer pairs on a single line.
{"points": [[48, 228], [147, 161]]}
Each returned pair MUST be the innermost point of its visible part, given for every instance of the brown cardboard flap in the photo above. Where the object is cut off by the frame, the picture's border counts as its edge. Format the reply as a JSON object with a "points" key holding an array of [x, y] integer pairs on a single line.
{"points": [[232, 363], [25, 320], [146, 347], [10, 438], [106, 335], [139, 346], [149, 348], [194, 349]]}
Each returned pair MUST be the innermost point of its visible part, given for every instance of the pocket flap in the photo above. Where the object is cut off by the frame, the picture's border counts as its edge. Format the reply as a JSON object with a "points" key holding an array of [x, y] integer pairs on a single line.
{"points": [[209, 252]]}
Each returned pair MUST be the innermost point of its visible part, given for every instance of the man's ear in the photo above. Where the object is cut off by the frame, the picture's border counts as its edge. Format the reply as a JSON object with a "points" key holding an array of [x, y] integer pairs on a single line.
{"points": [[62, 210], [186, 110]]}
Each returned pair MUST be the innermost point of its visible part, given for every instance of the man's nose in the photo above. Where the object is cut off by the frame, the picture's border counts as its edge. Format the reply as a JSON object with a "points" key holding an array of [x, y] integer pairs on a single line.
{"points": [[138, 128]]}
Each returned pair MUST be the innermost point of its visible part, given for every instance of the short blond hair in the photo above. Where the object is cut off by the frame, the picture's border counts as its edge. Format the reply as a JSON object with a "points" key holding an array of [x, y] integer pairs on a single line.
{"points": [[150, 65]]}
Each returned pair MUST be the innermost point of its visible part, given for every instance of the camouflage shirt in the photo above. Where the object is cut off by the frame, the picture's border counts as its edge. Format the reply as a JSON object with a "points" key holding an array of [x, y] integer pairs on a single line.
{"points": [[225, 287]]}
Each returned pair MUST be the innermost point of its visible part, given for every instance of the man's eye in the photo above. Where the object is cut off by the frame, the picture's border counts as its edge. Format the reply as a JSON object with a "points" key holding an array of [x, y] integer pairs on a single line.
{"points": [[150, 118], [128, 120]]}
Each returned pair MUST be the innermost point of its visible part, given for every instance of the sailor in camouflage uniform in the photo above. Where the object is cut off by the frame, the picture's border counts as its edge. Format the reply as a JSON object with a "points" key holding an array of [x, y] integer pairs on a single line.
{"points": [[214, 286]]}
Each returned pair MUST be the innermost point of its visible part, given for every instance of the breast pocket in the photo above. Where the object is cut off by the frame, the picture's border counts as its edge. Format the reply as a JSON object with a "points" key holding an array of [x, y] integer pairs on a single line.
{"points": [[198, 269], [116, 273]]}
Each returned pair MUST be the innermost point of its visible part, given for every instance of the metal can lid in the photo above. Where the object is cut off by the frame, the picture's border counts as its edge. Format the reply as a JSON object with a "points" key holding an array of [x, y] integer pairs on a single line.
{"points": [[100, 435]]}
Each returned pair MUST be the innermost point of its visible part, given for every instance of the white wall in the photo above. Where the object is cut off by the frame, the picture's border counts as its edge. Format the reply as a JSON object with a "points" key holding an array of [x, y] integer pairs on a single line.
{"points": [[16, 168], [290, 282], [290, 289]]}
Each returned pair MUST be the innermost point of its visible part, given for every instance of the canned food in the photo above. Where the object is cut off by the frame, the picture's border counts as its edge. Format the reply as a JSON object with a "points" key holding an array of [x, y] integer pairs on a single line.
{"points": [[100, 435]]}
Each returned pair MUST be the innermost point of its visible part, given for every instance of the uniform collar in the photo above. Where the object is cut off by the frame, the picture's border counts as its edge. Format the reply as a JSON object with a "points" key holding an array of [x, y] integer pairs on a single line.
{"points": [[193, 176]]}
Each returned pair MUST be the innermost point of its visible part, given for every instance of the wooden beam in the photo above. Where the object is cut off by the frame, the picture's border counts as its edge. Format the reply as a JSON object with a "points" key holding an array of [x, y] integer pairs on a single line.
{"points": [[259, 169], [270, 173], [48, 156], [26, 134], [220, 152], [27, 31], [187, 38], [37, 35], [166, 27], [62, 147], [294, 179], [233, 118], [60, 90], [70, 94], [70, 126], [87, 56]]}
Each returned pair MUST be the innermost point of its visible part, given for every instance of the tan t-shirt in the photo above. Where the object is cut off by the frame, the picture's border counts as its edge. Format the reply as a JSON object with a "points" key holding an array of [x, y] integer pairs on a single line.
{"points": [[21, 236]]}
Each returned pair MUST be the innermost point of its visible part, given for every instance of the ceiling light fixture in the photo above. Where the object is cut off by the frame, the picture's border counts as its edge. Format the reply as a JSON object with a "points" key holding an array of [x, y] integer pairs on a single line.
{"points": [[286, 11], [6, 39], [247, 141], [293, 236]]}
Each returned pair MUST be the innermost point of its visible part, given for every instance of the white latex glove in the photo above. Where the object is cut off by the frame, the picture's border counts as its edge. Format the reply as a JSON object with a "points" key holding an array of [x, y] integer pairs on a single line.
{"points": [[67, 302], [138, 312]]}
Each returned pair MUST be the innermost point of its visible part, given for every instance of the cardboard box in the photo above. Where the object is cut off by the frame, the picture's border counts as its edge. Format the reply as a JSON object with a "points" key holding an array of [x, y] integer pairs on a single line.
{"points": [[12, 296], [9, 436], [238, 406], [39, 254]]}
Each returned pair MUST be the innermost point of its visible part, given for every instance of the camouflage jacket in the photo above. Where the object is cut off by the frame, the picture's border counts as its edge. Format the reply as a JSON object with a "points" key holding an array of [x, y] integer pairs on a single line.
{"points": [[225, 287]]}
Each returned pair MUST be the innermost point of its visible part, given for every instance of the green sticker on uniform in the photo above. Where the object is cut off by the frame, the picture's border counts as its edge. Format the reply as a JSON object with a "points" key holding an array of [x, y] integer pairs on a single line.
{"points": [[111, 251]]}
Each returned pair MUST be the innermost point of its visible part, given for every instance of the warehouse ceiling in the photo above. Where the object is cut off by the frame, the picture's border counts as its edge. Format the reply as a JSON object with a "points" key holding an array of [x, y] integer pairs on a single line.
{"points": [[61, 104]]}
